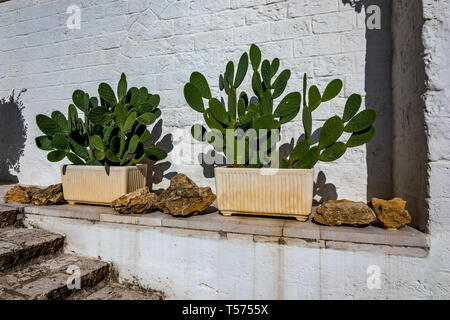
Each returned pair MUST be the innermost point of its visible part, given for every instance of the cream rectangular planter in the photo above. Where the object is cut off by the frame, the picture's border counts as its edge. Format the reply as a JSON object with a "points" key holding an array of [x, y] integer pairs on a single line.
{"points": [[266, 192], [94, 185]]}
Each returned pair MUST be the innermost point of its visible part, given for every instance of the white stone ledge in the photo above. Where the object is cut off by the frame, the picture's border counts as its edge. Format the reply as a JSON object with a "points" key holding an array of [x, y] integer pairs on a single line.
{"points": [[406, 241]]}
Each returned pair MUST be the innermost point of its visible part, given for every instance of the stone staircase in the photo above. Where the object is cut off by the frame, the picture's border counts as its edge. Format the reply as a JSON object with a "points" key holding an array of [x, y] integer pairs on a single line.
{"points": [[34, 266]]}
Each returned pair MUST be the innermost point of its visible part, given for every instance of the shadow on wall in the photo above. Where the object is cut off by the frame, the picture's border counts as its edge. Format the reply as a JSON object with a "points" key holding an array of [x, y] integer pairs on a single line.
{"points": [[158, 171], [13, 134], [378, 88]]}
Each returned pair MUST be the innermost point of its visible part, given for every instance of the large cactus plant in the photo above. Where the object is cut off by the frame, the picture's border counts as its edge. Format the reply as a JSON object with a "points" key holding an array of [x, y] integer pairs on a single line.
{"points": [[359, 125], [241, 111], [112, 133]]}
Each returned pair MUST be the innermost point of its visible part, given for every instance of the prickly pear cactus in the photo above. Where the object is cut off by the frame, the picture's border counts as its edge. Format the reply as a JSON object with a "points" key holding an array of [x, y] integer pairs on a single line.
{"points": [[239, 112], [360, 125], [113, 131]]}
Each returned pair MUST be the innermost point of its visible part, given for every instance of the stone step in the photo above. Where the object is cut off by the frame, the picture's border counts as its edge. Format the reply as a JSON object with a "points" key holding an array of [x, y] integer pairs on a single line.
{"points": [[52, 278], [8, 216], [18, 246], [112, 290]]}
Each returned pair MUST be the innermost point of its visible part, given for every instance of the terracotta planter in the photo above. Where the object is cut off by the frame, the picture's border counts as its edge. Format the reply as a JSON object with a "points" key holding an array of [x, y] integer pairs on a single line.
{"points": [[266, 192], [94, 185]]}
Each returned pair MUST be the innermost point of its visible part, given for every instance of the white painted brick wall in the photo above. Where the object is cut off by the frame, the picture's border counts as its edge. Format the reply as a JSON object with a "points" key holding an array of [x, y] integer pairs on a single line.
{"points": [[159, 43]]}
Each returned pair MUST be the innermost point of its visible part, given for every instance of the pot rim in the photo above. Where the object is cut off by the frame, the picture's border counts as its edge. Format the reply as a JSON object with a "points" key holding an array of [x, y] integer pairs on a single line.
{"points": [[284, 170]]}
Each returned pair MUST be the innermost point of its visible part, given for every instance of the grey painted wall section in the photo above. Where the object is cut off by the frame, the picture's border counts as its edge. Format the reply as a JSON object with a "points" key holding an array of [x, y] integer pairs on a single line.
{"points": [[409, 85]]}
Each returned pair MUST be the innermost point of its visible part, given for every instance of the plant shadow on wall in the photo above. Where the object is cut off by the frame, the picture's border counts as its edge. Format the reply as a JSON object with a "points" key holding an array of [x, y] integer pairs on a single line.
{"points": [[158, 170], [377, 85], [13, 134]]}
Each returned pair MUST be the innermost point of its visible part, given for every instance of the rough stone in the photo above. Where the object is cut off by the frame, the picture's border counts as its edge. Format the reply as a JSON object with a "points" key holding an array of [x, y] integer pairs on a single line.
{"points": [[183, 197], [139, 201], [344, 212], [391, 213], [20, 194], [48, 196], [7, 216]]}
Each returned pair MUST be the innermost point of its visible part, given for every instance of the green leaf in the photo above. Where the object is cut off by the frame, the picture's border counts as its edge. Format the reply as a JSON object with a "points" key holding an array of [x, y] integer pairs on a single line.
{"points": [[78, 149], [218, 111], [255, 56], [56, 155], [333, 152], [198, 80], [99, 154], [136, 160], [256, 84], [44, 143], [360, 138], [147, 118], [307, 122], [221, 83], [145, 136], [212, 122], [351, 107], [106, 93], [232, 103], [122, 87], [61, 121], [100, 115], [332, 90], [47, 125], [241, 70], [193, 97], [280, 83], [361, 121], [73, 116], [266, 73], [60, 141], [154, 100], [309, 160], [131, 119], [93, 102], [267, 103], [274, 66], [229, 72], [97, 143], [111, 156], [289, 104], [121, 114], [75, 159], [266, 122], [78, 100], [300, 150], [314, 98], [155, 153], [289, 117], [331, 131], [241, 107], [134, 142]]}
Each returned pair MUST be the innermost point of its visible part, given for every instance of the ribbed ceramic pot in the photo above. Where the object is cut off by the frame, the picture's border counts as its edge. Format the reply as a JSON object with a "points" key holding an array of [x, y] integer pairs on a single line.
{"points": [[266, 191], [101, 185]]}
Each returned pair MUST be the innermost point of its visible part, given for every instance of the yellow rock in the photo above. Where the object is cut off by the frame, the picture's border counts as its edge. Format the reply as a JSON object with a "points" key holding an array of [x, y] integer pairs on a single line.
{"points": [[391, 213]]}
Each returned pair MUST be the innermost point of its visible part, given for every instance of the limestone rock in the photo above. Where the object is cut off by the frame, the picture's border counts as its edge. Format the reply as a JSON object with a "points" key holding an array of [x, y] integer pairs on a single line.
{"points": [[344, 212], [391, 213], [20, 194], [48, 196], [139, 201], [184, 197]]}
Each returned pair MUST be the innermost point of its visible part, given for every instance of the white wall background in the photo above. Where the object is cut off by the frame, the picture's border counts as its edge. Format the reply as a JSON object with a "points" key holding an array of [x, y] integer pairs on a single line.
{"points": [[159, 43]]}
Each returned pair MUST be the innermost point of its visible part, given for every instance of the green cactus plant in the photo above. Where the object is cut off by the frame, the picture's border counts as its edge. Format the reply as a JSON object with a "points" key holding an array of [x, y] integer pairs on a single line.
{"points": [[241, 112], [112, 133], [360, 125]]}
